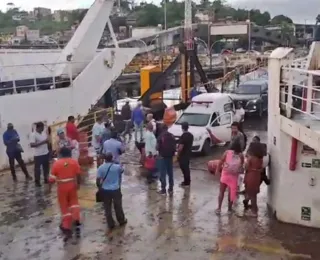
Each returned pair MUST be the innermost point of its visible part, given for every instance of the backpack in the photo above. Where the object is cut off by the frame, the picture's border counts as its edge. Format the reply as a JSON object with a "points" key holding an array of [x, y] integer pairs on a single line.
{"points": [[167, 145], [233, 163]]}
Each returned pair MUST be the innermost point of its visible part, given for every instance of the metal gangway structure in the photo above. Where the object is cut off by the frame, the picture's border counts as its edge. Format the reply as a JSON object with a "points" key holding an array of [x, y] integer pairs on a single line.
{"points": [[294, 136], [95, 74]]}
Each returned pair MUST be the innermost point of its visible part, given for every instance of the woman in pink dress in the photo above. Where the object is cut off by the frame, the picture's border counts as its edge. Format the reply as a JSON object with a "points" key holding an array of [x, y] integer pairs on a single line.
{"points": [[231, 164]]}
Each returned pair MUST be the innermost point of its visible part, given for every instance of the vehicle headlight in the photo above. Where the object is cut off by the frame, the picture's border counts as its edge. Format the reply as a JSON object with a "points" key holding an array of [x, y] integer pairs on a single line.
{"points": [[253, 102]]}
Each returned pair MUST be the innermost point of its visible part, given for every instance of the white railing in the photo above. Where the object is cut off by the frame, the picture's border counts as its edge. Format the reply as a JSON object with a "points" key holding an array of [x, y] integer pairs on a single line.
{"points": [[34, 77], [30, 77], [300, 95]]}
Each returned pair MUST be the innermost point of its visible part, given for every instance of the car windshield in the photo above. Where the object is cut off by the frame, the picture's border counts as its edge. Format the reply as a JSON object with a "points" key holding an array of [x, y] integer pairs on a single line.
{"points": [[194, 119], [248, 89]]}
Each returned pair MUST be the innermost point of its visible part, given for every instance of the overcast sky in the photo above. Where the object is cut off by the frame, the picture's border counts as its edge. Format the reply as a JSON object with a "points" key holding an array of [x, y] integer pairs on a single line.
{"points": [[298, 10]]}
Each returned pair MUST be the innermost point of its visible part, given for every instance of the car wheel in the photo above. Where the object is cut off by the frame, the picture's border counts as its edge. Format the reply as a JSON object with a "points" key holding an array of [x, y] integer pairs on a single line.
{"points": [[206, 148]]}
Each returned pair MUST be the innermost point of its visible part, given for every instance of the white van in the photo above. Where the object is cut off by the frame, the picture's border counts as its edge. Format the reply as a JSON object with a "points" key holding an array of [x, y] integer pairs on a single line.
{"points": [[209, 110]]}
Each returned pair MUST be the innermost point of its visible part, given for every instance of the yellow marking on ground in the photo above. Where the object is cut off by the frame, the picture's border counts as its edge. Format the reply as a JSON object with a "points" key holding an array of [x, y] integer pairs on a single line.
{"points": [[267, 248]]}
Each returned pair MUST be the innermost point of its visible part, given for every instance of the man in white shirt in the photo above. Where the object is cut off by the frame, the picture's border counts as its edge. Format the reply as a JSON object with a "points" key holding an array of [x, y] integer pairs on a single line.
{"points": [[151, 120], [39, 141], [97, 131], [239, 113]]}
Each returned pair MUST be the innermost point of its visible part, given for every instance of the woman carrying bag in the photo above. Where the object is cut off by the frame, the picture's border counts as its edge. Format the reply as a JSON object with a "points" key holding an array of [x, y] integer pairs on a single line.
{"points": [[109, 190]]}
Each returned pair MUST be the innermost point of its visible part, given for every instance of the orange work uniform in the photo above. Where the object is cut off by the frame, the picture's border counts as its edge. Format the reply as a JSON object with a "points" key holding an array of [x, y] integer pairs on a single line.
{"points": [[64, 172]]}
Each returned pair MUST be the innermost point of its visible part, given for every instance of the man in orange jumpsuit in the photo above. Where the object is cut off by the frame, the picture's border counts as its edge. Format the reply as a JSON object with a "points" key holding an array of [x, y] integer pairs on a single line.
{"points": [[65, 172]]}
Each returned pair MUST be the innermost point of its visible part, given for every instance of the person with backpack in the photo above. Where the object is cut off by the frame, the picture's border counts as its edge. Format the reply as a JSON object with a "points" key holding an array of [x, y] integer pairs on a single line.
{"points": [[230, 165], [166, 146]]}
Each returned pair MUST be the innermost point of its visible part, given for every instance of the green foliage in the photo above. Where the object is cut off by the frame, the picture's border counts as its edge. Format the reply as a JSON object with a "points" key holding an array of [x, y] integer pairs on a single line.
{"points": [[279, 19], [148, 14]]}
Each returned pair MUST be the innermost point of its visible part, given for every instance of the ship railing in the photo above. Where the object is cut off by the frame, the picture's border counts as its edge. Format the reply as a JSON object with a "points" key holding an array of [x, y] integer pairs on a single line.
{"points": [[84, 123], [35, 77], [300, 95], [247, 72]]}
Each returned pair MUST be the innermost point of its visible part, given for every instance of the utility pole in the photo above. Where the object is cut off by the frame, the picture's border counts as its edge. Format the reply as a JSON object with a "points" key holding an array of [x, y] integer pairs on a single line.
{"points": [[210, 22], [249, 31]]}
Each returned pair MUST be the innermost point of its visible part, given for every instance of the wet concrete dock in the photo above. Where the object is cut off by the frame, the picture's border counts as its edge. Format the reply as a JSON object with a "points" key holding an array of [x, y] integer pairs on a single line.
{"points": [[183, 226]]}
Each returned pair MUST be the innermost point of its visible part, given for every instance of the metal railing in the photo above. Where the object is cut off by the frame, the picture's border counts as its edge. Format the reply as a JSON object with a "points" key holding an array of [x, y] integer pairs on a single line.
{"points": [[246, 70], [84, 123], [300, 95], [32, 77]]}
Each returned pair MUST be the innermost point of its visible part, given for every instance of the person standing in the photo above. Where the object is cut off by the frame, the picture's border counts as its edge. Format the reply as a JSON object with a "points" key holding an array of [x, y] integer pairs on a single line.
{"points": [[113, 146], [184, 153], [138, 120], [63, 141], [65, 172], [71, 128], [239, 113], [252, 178], [126, 114], [237, 135], [39, 141], [166, 145], [97, 132], [109, 178], [231, 164], [151, 151], [151, 120], [11, 140]]}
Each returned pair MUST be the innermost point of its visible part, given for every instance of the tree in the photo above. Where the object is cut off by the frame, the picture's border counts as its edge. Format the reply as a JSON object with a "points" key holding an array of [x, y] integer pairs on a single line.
{"points": [[279, 19], [148, 15]]}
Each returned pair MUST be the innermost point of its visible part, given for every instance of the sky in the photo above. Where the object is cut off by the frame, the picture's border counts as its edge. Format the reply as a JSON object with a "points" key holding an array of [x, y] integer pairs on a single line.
{"points": [[298, 10]]}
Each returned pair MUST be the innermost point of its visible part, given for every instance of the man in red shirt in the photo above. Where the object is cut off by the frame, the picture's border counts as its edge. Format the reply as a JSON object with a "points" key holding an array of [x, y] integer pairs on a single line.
{"points": [[72, 130]]}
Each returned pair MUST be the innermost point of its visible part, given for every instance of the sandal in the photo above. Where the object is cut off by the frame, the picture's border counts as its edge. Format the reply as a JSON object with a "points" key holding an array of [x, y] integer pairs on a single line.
{"points": [[218, 211]]}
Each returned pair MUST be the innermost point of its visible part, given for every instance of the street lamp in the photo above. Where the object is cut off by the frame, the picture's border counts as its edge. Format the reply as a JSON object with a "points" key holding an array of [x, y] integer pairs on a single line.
{"points": [[203, 42], [249, 33]]}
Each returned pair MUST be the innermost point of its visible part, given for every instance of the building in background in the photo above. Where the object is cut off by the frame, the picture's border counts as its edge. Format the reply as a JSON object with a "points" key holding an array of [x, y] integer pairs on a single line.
{"points": [[61, 16], [24, 33], [41, 12], [21, 31], [33, 35]]}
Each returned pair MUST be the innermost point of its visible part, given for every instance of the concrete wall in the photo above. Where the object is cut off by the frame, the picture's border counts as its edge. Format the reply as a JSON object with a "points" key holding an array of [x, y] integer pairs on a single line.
{"points": [[292, 190]]}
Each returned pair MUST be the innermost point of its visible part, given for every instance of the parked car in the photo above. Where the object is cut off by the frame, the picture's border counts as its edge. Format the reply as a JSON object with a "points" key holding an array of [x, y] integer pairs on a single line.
{"points": [[209, 110], [253, 95]]}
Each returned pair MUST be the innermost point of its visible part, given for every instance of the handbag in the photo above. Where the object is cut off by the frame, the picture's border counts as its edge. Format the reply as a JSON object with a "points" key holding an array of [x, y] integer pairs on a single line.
{"points": [[150, 163], [19, 148], [99, 196]]}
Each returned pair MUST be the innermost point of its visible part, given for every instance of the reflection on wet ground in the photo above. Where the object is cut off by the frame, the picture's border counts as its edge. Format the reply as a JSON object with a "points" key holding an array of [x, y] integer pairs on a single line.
{"points": [[180, 227]]}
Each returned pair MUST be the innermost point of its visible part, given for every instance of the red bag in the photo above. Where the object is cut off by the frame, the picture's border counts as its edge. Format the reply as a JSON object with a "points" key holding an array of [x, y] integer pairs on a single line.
{"points": [[150, 163], [212, 166]]}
